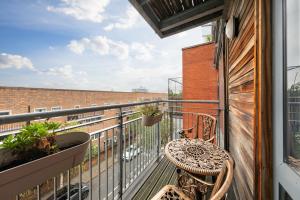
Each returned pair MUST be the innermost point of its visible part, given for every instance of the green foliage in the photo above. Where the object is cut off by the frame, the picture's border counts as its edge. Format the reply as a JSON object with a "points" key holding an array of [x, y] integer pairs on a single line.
{"points": [[51, 125], [150, 110], [29, 135], [134, 116], [208, 38]]}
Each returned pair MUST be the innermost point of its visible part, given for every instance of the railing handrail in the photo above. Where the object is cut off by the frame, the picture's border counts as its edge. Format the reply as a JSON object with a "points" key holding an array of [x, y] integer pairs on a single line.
{"points": [[44, 115]]}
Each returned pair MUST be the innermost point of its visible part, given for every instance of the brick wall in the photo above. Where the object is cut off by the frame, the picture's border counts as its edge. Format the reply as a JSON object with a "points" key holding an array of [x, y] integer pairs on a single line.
{"points": [[17, 100], [200, 80], [20, 100]]}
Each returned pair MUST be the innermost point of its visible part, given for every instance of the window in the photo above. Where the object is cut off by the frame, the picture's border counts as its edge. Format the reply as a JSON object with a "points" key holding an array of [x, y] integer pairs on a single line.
{"points": [[56, 108], [283, 195], [40, 110], [292, 84], [4, 112]]}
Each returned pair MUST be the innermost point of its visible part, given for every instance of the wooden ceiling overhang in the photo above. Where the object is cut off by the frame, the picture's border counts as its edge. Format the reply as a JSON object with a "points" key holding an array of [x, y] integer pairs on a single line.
{"points": [[168, 17]]}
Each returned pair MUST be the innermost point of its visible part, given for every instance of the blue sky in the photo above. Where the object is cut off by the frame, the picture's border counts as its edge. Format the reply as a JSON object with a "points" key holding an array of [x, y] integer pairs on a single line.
{"points": [[86, 44]]}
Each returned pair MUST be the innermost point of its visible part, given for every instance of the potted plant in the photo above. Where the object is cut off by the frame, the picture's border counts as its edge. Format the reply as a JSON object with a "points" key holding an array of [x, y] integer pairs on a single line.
{"points": [[150, 115], [36, 154]]}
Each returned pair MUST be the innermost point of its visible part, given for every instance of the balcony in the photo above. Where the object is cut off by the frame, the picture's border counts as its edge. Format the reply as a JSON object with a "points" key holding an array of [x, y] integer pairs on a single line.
{"points": [[125, 159]]}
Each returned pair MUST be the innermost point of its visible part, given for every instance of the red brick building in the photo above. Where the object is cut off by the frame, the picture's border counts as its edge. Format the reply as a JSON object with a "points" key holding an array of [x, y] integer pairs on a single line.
{"points": [[17, 100], [200, 80]]}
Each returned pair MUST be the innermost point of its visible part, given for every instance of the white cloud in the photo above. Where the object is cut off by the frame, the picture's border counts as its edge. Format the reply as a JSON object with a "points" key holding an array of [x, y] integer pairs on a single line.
{"points": [[154, 78], [67, 72], [100, 45], [15, 61], [131, 18], [142, 51], [88, 10]]}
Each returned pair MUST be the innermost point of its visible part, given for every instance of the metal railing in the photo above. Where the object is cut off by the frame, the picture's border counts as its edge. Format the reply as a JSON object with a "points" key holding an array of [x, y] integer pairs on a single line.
{"points": [[121, 150]]}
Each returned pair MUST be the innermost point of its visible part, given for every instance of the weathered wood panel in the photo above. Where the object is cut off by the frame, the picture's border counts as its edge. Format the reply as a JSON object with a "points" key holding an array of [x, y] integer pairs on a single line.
{"points": [[263, 98], [241, 94]]}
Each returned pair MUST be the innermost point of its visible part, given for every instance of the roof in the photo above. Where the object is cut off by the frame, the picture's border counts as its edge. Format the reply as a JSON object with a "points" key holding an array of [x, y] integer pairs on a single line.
{"points": [[168, 17], [198, 45]]}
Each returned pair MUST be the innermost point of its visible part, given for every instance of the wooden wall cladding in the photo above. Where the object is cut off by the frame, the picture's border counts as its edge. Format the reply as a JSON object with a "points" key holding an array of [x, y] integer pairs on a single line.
{"points": [[241, 94]]}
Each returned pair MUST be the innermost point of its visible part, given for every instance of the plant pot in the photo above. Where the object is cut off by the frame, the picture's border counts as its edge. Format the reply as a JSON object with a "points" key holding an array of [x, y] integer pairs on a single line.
{"points": [[151, 120], [26, 176]]}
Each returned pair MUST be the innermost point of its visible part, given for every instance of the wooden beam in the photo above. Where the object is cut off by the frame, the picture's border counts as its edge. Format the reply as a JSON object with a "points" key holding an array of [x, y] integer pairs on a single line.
{"points": [[263, 98], [143, 2], [199, 11], [148, 15], [192, 24]]}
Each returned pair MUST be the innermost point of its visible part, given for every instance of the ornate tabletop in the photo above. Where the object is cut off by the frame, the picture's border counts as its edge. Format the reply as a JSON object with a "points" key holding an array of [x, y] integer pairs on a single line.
{"points": [[196, 156]]}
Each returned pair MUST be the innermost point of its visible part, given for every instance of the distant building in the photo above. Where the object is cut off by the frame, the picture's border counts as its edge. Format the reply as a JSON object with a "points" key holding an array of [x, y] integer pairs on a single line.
{"points": [[140, 89], [16, 100]]}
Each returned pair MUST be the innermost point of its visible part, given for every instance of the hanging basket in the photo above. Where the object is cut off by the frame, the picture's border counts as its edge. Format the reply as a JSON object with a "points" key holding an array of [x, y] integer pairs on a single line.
{"points": [[151, 120], [25, 176]]}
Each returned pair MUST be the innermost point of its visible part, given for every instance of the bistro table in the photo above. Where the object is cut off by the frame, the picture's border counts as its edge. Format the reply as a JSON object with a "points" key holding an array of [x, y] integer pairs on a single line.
{"points": [[198, 159]]}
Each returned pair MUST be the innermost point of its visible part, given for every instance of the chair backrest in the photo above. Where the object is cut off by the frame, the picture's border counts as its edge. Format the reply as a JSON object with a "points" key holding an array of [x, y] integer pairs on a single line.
{"points": [[207, 126], [223, 181], [202, 124]]}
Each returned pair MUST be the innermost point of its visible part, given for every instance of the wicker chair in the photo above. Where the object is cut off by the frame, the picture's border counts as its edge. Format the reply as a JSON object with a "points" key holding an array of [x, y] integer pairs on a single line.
{"points": [[219, 188], [207, 125]]}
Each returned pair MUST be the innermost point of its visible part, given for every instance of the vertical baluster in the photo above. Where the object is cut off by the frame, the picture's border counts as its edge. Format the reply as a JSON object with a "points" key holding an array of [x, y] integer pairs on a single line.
{"points": [[68, 182], [140, 147], [80, 182], [176, 128], [136, 149], [90, 170], [113, 165], [120, 154], [38, 192], [17, 197], [130, 152], [152, 142], [54, 187], [149, 143], [99, 164], [158, 140], [144, 144], [106, 162], [124, 156]]}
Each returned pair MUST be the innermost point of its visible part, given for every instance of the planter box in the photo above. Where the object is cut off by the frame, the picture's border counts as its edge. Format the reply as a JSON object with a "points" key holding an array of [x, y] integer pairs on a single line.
{"points": [[151, 120], [26, 176]]}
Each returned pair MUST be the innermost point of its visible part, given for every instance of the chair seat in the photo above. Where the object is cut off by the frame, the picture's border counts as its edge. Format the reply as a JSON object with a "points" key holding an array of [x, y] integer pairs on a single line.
{"points": [[170, 192]]}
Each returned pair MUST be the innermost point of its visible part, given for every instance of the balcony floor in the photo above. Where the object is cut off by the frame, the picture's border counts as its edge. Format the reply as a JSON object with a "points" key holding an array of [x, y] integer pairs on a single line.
{"points": [[162, 175]]}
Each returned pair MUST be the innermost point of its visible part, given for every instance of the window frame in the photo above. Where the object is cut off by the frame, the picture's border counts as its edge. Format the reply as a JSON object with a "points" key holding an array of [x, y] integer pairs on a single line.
{"points": [[283, 173], [45, 108], [5, 111], [60, 108]]}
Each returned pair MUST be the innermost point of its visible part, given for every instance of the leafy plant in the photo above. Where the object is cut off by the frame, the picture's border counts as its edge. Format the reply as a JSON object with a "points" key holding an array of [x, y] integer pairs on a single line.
{"points": [[150, 110], [35, 135], [52, 125]]}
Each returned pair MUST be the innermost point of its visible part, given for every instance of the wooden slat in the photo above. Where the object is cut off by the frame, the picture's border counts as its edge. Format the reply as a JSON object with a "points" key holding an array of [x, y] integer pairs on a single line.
{"points": [[192, 14], [163, 180], [240, 87], [161, 176], [152, 179]]}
